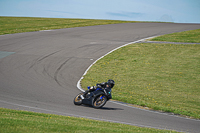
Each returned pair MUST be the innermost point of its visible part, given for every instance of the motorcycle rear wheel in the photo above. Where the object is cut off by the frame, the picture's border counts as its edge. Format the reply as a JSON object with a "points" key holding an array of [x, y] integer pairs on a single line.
{"points": [[99, 101], [77, 99]]}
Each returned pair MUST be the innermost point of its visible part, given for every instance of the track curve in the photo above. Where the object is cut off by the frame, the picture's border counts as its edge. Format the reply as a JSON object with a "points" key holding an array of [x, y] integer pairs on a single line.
{"points": [[39, 71]]}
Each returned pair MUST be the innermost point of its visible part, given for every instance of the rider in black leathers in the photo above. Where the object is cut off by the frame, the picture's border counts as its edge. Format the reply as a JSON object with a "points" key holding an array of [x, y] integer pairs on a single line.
{"points": [[104, 85]]}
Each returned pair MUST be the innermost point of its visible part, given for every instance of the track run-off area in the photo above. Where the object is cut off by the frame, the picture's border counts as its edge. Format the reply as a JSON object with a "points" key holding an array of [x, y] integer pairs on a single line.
{"points": [[39, 72]]}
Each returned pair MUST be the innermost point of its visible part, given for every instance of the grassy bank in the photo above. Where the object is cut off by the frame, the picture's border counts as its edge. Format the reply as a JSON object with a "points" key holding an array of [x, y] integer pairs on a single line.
{"points": [[22, 121], [163, 77], [192, 36], [10, 25]]}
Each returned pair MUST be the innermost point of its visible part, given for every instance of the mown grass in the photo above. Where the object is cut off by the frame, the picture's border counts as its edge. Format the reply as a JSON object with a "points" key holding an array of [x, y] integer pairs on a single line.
{"points": [[162, 77], [192, 36], [23, 121], [10, 25]]}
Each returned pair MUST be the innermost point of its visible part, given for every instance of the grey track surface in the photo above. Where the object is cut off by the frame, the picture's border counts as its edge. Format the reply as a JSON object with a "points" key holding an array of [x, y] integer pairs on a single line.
{"points": [[42, 72]]}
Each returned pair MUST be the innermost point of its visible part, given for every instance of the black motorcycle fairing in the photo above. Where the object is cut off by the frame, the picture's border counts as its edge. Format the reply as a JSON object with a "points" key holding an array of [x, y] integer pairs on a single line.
{"points": [[96, 98], [90, 96]]}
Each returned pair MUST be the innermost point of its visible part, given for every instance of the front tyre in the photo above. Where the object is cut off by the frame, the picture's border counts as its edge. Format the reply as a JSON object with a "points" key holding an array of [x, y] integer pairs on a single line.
{"points": [[99, 101], [78, 100]]}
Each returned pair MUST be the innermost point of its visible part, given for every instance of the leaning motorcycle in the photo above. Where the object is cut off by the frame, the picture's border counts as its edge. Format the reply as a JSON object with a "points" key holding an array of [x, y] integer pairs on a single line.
{"points": [[96, 98]]}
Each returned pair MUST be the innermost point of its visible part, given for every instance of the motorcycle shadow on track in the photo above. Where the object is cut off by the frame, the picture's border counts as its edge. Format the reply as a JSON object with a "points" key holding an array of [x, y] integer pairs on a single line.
{"points": [[102, 108]]}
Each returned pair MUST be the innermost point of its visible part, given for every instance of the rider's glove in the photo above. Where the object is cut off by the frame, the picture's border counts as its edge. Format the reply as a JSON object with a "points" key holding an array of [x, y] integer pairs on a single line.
{"points": [[93, 88]]}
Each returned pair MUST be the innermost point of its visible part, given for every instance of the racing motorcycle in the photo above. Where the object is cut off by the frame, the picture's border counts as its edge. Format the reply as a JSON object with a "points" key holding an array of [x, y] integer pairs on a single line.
{"points": [[96, 98]]}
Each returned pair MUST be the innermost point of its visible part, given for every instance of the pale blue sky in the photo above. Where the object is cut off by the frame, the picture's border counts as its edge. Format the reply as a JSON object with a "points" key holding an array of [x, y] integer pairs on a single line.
{"points": [[179, 11]]}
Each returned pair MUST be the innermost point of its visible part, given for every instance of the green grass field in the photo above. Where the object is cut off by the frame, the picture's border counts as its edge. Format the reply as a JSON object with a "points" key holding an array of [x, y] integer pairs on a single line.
{"points": [[163, 77], [10, 25], [192, 36], [23, 121]]}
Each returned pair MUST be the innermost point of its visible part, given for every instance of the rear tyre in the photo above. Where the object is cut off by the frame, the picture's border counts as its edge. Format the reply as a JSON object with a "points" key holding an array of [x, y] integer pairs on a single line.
{"points": [[78, 100], [99, 101]]}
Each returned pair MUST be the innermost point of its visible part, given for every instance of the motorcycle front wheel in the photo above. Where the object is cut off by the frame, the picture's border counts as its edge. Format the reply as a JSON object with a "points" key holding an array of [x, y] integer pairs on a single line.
{"points": [[78, 99], [99, 101]]}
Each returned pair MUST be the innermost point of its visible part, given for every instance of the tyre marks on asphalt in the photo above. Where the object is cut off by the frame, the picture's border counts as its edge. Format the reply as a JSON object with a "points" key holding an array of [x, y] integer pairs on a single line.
{"points": [[57, 71]]}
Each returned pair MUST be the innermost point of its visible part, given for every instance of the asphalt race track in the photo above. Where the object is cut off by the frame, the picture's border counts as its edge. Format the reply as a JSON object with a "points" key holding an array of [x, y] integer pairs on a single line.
{"points": [[39, 72]]}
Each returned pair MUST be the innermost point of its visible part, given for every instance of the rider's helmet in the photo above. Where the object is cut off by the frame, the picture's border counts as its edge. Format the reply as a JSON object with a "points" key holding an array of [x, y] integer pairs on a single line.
{"points": [[111, 83]]}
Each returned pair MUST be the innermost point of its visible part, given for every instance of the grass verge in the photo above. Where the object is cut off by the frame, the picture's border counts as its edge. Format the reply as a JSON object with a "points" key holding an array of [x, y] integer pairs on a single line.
{"points": [[23, 121], [163, 77], [192, 36], [10, 25]]}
